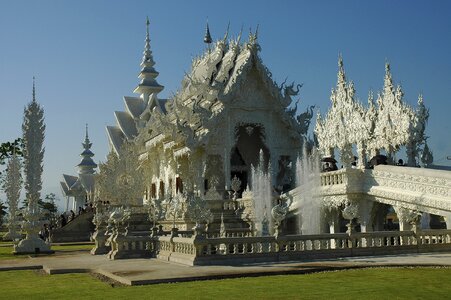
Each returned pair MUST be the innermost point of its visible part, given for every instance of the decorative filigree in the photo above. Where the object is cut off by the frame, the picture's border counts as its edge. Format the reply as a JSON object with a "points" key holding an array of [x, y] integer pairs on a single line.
{"points": [[121, 179], [198, 211], [351, 211]]}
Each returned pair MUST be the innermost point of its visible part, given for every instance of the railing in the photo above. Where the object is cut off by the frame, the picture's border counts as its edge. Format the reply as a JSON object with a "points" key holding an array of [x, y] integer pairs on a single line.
{"points": [[131, 247], [434, 237], [237, 232], [333, 177], [199, 251]]}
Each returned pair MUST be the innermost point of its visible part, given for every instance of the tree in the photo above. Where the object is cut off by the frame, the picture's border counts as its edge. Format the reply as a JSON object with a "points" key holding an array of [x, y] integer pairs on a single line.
{"points": [[7, 149], [2, 212], [50, 208]]}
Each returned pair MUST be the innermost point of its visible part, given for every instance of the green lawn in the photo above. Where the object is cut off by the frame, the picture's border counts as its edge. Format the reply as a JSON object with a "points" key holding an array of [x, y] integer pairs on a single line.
{"points": [[380, 283]]}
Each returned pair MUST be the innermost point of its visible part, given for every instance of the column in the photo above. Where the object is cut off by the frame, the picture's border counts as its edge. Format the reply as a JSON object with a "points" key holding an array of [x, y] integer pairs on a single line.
{"points": [[227, 168], [365, 209], [447, 217]]}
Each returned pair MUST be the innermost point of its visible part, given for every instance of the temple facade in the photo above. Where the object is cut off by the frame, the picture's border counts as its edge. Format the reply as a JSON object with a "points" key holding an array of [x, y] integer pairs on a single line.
{"points": [[227, 110]]}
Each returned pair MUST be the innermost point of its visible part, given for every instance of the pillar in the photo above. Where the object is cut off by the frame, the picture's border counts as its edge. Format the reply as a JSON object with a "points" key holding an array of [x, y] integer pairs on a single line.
{"points": [[425, 221], [447, 217], [361, 152], [406, 217], [365, 209]]}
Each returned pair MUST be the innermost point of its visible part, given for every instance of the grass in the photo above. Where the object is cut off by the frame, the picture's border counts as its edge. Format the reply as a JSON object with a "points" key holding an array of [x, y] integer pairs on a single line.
{"points": [[376, 283], [6, 249]]}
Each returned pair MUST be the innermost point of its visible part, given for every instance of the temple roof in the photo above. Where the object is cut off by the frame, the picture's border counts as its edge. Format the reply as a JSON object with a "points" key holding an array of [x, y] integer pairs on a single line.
{"points": [[215, 79], [126, 124], [116, 137], [69, 180], [134, 106]]}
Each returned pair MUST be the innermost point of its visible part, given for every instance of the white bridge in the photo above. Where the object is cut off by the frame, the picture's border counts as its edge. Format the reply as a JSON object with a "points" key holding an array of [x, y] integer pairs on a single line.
{"points": [[407, 189]]}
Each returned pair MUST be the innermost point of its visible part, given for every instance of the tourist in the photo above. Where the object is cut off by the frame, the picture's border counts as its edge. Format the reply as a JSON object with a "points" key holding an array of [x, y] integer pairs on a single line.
{"points": [[71, 216], [63, 220]]}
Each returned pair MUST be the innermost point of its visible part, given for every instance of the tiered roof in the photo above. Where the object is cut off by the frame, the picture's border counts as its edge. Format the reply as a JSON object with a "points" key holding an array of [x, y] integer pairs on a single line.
{"points": [[72, 185], [214, 82]]}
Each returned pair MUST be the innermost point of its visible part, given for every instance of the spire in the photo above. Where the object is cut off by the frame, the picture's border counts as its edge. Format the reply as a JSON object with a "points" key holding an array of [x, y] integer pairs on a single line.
{"points": [[147, 54], [388, 81], [207, 37], [87, 144], [148, 85], [87, 164], [341, 77], [34, 91]]}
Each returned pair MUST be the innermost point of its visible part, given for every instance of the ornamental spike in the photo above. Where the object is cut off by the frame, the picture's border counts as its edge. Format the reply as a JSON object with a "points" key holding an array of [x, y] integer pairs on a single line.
{"points": [[207, 37], [239, 35], [227, 32]]}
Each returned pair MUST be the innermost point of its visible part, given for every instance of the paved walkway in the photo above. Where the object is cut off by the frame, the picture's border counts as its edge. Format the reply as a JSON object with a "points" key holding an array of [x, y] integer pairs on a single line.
{"points": [[150, 271]]}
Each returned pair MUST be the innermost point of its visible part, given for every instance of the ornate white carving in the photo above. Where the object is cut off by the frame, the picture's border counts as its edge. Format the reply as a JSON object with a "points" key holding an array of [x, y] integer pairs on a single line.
{"points": [[388, 126], [121, 179], [33, 136], [198, 210]]}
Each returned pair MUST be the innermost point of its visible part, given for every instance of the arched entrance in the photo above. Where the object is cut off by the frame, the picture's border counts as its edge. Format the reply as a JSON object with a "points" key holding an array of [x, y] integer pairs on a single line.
{"points": [[250, 139]]}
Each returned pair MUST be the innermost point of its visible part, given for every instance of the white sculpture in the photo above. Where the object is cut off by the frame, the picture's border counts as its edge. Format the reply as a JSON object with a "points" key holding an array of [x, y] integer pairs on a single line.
{"points": [[12, 186], [345, 123], [198, 211], [386, 125], [33, 137], [100, 220]]}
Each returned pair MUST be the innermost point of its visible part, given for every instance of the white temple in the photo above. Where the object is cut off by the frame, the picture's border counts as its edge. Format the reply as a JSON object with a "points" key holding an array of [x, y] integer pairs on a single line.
{"points": [[215, 167], [227, 109]]}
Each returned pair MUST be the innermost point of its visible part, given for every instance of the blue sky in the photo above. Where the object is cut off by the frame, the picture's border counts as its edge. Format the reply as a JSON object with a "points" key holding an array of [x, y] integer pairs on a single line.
{"points": [[85, 56]]}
